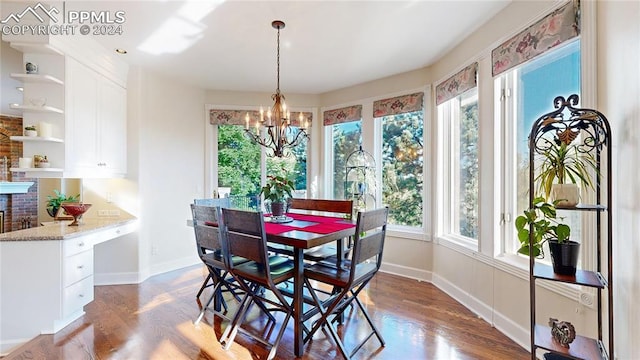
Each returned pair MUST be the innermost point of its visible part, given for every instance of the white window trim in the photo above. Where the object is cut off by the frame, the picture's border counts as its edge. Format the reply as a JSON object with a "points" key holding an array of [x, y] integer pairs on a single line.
{"points": [[446, 113]]}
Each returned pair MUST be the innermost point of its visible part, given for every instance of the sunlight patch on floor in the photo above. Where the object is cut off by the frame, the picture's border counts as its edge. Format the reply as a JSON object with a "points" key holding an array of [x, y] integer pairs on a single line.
{"points": [[157, 301]]}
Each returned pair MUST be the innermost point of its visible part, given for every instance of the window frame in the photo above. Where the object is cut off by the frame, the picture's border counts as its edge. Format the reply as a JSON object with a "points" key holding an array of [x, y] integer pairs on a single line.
{"points": [[211, 149], [447, 113]]}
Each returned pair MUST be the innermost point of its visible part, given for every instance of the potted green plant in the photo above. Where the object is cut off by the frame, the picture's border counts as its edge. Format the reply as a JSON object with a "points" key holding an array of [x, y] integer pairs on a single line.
{"points": [[540, 224], [30, 131], [54, 202], [277, 190], [563, 166]]}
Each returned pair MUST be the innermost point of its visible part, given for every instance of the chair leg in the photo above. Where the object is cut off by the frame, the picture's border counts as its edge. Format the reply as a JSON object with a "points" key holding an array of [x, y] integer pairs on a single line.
{"points": [[205, 284], [373, 327], [274, 347], [232, 329]]}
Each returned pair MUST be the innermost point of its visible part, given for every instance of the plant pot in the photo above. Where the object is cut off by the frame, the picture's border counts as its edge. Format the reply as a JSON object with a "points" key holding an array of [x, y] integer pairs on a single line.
{"points": [[569, 193], [278, 208], [564, 257], [30, 133]]}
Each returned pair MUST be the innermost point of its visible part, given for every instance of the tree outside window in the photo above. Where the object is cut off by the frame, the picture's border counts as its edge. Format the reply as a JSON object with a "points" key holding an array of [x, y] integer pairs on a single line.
{"points": [[402, 167]]}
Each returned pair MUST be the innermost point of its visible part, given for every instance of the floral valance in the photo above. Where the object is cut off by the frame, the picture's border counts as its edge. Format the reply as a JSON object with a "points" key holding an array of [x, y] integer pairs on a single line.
{"points": [[561, 25], [462, 81], [239, 117], [343, 115], [398, 105]]}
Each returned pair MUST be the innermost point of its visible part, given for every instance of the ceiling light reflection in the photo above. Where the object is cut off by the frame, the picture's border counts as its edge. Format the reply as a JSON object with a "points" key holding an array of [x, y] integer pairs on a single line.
{"points": [[180, 31]]}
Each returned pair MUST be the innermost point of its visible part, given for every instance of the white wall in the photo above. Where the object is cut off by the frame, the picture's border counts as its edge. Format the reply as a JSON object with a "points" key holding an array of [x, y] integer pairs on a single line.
{"points": [[11, 63], [165, 173], [619, 100]]}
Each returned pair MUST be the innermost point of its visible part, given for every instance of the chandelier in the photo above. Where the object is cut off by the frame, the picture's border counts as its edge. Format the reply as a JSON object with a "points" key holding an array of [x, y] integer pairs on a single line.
{"points": [[280, 135]]}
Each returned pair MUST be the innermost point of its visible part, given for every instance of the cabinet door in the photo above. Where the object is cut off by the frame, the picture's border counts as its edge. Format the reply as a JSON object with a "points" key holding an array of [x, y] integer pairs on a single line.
{"points": [[82, 110], [112, 127]]}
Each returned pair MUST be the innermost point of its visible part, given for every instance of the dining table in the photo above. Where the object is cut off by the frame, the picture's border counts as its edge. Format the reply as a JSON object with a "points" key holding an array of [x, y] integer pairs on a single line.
{"points": [[301, 232]]}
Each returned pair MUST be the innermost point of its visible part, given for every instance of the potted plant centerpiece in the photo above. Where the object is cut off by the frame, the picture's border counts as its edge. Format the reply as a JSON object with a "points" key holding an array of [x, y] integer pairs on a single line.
{"points": [[277, 190], [54, 202], [541, 224], [563, 166]]}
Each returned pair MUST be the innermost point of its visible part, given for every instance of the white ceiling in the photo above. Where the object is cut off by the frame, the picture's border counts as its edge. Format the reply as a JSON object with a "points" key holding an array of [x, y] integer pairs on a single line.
{"points": [[326, 45]]}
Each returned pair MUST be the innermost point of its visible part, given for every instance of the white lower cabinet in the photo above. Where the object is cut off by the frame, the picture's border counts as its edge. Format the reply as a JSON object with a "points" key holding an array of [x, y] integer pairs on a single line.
{"points": [[45, 284], [76, 296]]}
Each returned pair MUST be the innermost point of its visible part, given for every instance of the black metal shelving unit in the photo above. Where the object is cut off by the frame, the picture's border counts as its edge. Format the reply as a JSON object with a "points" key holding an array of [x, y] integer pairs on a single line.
{"points": [[593, 134]]}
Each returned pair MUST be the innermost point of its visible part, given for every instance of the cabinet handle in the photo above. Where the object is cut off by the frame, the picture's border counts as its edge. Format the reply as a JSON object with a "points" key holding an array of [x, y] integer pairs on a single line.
{"points": [[81, 295], [80, 266], [81, 244]]}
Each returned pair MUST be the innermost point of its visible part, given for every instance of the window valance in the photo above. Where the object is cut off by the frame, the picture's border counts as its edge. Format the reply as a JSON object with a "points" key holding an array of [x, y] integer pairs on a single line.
{"points": [[398, 105], [343, 115], [462, 81], [554, 29], [238, 117]]}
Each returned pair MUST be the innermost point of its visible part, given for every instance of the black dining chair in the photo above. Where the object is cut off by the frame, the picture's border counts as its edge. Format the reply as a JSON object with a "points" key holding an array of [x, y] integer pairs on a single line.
{"points": [[212, 202], [350, 278], [207, 234], [243, 235]]}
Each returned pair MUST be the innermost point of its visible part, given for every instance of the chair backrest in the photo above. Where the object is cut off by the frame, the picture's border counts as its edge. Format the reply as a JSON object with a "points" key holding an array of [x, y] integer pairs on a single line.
{"points": [[371, 229], [244, 236], [205, 225], [219, 202], [332, 206]]}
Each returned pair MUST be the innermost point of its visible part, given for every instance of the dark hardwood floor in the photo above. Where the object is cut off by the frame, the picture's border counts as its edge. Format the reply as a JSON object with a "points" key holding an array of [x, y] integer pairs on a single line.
{"points": [[154, 320]]}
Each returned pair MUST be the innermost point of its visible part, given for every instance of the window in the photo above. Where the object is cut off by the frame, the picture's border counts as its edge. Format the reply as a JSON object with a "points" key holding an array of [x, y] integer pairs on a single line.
{"points": [[293, 165], [459, 119], [402, 167], [529, 91], [238, 162], [345, 138]]}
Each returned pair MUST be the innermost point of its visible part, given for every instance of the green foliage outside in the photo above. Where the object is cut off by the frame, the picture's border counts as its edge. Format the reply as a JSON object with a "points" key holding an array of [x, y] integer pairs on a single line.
{"points": [[469, 170], [347, 138], [402, 167], [239, 163]]}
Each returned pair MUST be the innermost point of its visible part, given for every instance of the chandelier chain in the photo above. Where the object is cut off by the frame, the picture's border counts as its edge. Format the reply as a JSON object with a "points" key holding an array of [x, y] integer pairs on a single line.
{"points": [[278, 64]]}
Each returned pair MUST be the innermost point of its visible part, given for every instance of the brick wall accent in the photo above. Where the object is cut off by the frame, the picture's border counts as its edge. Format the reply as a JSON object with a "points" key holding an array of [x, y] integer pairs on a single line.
{"points": [[16, 207]]}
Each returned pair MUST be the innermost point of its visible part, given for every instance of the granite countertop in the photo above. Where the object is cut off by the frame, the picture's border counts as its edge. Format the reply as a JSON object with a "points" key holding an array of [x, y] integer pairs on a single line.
{"points": [[61, 230]]}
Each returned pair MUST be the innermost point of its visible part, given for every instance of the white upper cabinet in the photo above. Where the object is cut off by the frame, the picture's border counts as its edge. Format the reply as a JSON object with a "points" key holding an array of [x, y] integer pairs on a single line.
{"points": [[96, 123]]}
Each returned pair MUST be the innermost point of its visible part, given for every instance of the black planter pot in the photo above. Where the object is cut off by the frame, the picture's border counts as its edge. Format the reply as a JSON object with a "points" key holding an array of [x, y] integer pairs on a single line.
{"points": [[564, 257]]}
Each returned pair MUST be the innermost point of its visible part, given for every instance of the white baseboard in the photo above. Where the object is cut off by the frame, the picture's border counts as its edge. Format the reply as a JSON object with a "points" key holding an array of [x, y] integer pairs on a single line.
{"points": [[116, 278], [144, 274], [405, 271], [512, 330], [8, 345], [515, 332]]}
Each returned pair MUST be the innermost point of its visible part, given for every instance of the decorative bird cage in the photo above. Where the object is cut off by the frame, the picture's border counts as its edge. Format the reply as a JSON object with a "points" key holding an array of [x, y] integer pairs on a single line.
{"points": [[360, 180]]}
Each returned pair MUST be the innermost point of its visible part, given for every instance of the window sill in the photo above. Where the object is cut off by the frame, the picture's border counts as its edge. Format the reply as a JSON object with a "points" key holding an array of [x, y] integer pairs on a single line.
{"points": [[459, 243]]}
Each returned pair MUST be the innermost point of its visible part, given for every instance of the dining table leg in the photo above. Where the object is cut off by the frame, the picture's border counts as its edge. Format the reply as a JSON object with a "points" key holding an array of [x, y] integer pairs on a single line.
{"points": [[298, 283]]}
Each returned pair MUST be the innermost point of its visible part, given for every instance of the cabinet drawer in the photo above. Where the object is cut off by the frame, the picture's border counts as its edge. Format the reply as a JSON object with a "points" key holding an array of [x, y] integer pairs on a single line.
{"points": [[77, 267], [77, 295], [76, 245]]}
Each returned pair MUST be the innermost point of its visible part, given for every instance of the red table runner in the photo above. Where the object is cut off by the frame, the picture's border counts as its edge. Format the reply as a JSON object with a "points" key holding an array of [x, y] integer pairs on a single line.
{"points": [[321, 224]]}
